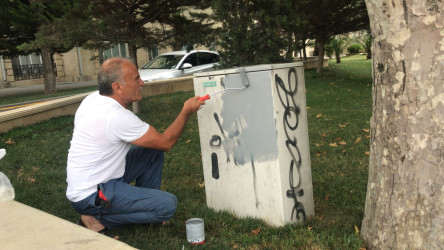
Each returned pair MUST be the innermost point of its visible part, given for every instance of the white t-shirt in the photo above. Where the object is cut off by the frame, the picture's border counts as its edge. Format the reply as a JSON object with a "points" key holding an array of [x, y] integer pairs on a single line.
{"points": [[103, 130]]}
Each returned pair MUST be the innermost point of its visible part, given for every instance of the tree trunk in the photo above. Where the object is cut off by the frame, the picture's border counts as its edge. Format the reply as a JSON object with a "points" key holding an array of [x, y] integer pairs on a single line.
{"points": [[316, 48], [304, 49], [338, 56], [48, 69], [320, 64], [405, 194], [132, 54]]}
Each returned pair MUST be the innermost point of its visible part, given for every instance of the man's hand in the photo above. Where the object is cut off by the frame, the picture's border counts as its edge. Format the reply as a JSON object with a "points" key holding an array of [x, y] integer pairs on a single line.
{"points": [[192, 105]]}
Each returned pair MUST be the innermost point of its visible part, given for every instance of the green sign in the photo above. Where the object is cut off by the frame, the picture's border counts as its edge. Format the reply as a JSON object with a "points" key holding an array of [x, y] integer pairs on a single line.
{"points": [[209, 84]]}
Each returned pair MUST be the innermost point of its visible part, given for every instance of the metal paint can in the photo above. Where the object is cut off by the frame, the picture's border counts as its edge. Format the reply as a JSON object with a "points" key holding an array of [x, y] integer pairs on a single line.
{"points": [[195, 231]]}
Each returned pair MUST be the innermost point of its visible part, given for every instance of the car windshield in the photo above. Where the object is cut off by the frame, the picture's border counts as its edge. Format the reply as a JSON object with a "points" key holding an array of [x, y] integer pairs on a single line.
{"points": [[163, 62]]}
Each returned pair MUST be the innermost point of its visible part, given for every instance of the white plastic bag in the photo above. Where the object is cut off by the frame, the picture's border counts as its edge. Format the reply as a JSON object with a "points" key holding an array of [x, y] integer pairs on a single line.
{"points": [[6, 190], [2, 152]]}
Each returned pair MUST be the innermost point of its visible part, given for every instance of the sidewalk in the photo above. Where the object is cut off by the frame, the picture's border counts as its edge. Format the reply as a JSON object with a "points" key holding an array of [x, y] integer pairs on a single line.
{"points": [[24, 227], [32, 89]]}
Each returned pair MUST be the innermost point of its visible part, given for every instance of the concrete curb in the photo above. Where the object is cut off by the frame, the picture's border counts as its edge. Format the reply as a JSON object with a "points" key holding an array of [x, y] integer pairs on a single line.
{"points": [[24, 227]]}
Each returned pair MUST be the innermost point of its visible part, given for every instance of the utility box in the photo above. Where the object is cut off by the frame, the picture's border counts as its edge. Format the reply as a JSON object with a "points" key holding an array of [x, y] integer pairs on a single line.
{"points": [[254, 140]]}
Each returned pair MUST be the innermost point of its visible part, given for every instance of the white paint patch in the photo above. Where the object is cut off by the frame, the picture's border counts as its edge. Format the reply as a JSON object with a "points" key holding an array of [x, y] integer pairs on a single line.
{"points": [[399, 76], [420, 140], [416, 66], [439, 99], [428, 20]]}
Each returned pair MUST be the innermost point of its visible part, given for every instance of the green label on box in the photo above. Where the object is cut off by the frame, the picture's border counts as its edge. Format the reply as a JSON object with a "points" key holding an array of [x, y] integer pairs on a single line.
{"points": [[209, 84]]}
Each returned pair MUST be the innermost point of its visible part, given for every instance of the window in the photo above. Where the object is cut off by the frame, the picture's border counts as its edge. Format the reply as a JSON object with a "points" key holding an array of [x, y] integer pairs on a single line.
{"points": [[191, 59], [27, 66], [206, 58], [115, 50]]}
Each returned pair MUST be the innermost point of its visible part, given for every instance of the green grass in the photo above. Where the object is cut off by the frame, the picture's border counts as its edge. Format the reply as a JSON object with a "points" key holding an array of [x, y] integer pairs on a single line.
{"points": [[339, 102]]}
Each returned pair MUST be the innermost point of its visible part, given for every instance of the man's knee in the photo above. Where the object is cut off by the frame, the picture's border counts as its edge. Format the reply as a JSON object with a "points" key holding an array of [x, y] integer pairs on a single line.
{"points": [[170, 206]]}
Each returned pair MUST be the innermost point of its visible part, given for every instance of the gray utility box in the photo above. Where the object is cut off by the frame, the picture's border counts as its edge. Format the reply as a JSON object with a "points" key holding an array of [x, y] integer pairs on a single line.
{"points": [[254, 141]]}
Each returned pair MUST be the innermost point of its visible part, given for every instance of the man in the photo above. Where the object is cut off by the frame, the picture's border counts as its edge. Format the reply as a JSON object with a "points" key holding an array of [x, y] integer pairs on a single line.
{"points": [[112, 147]]}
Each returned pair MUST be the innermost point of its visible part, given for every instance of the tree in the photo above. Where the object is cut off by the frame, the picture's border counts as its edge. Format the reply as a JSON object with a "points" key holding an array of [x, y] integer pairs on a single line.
{"points": [[251, 32], [44, 26], [15, 28], [405, 195], [337, 44], [366, 43]]}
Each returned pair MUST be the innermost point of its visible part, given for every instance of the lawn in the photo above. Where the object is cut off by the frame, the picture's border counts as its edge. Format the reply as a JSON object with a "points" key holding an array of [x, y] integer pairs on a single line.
{"points": [[339, 109]]}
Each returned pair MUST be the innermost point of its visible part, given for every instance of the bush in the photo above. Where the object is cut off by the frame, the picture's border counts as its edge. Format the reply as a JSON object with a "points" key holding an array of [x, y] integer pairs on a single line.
{"points": [[354, 48]]}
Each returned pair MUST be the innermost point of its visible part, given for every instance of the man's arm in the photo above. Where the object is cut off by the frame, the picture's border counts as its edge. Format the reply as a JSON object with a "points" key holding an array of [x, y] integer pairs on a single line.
{"points": [[165, 141]]}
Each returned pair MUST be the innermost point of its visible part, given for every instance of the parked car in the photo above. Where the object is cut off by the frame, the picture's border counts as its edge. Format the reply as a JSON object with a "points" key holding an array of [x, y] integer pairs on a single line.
{"points": [[177, 64]]}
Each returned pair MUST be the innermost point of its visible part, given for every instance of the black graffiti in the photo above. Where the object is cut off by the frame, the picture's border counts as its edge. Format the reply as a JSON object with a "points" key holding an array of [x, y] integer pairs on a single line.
{"points": [[215, 141], [229, 144], [291, 122]]}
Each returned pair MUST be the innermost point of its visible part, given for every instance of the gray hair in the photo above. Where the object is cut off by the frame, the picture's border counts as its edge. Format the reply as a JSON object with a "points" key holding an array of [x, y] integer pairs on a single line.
{"points": [[110, 72]]}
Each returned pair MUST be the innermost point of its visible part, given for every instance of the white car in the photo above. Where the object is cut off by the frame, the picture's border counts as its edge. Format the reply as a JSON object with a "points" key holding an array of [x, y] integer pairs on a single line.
{"points": [[177, 64]]}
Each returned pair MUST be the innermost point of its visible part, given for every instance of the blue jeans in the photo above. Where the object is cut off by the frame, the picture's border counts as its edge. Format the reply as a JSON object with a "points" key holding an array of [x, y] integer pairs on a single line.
{"points": [[138, 204]]}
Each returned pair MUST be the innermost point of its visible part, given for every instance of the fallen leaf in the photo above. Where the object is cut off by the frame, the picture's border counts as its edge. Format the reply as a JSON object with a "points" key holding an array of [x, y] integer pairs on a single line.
{"points": [[341, 174], [257, 231], [333, 144], [10, 142], [323, 134], [343, 151], [202, 184], [366, 130], [318, 115], [342, 125], [309, 228], [327, 197], [188, 141], [367, 136], [343, 142], [367, 153], [318, 154], [318, 144], [358, 140], [338, 138], [356, 230], [308, 107], [31, 180]]}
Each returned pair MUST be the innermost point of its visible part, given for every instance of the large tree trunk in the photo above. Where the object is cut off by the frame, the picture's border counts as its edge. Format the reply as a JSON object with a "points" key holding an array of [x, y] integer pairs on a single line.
{"points": [[405, 193], [48, 69]]}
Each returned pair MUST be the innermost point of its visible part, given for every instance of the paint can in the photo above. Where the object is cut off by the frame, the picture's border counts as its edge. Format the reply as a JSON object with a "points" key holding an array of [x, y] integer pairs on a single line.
{"points": [[195, 231]]}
